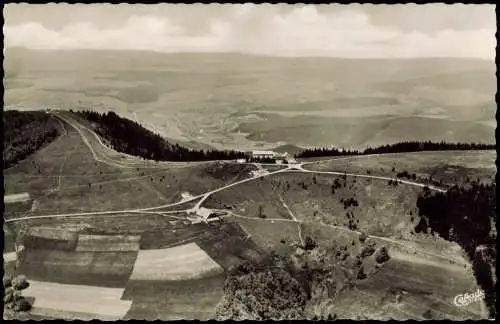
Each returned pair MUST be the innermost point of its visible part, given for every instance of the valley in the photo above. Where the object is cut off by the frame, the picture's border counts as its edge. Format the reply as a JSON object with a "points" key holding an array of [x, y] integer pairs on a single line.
{"points": [[228, 101]]}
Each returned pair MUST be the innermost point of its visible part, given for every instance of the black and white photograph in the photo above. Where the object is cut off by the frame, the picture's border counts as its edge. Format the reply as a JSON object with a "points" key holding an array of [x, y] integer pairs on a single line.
{"points": [[249, 161]]}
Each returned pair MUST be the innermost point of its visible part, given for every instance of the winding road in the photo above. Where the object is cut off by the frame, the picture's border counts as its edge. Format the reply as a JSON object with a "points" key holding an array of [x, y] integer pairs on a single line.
{"points": [[297, 167]]}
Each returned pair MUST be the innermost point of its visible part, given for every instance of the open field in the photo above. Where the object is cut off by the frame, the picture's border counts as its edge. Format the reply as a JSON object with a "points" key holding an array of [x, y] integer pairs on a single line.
{"points": [[268, 234], [119, 223], [103, 243], [182, 262], [426, 278], [14, 198], [382, 209], [184, 299], [272, 168], [230, 245], [8, 239], [422, 287], [79, 183], [174, 235], [77, 302], [52, 233], [190, 297], [112, 196], [450, 167], [108, 269], [247, 199], [326, 235], [19, 208], [225, 243], [51, 238]]}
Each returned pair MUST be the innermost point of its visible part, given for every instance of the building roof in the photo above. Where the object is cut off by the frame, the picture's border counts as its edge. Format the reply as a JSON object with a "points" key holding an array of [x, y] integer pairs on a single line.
{"points": [[263, 153], [204, 212]]}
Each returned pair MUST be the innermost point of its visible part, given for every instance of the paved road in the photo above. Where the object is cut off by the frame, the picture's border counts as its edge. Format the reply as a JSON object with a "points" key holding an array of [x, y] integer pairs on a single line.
{"points": [[134, 160], [373, 177], [87, 143], [206, 195]]}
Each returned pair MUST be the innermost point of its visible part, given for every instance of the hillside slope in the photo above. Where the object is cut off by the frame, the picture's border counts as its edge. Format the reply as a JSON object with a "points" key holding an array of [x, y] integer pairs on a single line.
{"points": [[129, 137], [25, 133]]}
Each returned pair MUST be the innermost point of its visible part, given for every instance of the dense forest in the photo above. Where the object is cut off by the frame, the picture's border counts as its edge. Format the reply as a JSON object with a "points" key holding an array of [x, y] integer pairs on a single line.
{"points": [[466, 215], [129, 137], [317, 152], [25, 132], [401, 147], [260, 294]]}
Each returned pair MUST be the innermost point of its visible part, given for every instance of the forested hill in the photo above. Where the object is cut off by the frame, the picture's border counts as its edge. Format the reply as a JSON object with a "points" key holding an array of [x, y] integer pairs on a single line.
{"points": [[466, 215], [25, 132], [130, 137], [401, 147]]}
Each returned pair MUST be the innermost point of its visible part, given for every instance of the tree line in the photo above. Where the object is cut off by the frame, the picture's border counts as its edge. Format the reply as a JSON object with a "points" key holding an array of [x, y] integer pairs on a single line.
{"points": [[400, 147], [25, 132], [466, 215], [130, 137]]}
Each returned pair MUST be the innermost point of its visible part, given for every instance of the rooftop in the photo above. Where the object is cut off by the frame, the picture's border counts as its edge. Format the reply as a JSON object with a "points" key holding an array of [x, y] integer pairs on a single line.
{"points": [[204, 212], [263, 153]]}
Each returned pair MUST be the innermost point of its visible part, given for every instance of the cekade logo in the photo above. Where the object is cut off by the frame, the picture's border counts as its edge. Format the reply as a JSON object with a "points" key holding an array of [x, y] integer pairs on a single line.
{"points": [[467, 299]]}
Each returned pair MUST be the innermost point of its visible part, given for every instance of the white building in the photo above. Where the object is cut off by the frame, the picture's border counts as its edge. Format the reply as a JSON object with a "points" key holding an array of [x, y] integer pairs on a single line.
{"points": [[241, 160], [204, 212], [16, 198], [263, 154]]}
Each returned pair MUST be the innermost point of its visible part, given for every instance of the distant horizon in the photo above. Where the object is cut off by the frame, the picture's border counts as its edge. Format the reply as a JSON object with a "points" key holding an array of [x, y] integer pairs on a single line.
{"points": [[345, 31], [248, 54]]}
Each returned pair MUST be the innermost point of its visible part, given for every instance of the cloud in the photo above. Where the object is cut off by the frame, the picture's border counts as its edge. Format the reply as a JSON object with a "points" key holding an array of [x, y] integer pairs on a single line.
{"points": [[302, 31]]}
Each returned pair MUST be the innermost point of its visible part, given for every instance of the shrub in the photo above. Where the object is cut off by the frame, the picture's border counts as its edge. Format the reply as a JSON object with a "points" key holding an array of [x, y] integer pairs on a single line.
{"points": [[309, 243], [22, 305], [7, 281], [243, 267], [367, 251], [8, 295], [382, 255], [260, 212], [20, 282], [361, 274]]}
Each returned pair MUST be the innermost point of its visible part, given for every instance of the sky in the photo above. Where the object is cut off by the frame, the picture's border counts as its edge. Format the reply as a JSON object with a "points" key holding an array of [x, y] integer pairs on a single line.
{"points": [[356, 31]]}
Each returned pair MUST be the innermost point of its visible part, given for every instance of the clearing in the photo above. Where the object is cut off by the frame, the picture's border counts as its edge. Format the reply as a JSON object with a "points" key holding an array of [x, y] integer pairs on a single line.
{"points": [[77, 302], [103, 243], [178, 263], [450, 167]]}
